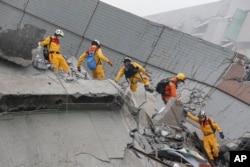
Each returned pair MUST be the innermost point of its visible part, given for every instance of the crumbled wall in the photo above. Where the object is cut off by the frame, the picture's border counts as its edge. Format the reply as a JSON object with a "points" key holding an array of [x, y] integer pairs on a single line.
{"points": [[17, 45], [236, 80], [193, 100]]}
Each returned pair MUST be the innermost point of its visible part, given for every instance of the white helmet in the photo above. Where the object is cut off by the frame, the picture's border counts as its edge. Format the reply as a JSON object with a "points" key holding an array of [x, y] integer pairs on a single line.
{"points": [[96, 42], [59, 32], [127, 59], [202, 115]]}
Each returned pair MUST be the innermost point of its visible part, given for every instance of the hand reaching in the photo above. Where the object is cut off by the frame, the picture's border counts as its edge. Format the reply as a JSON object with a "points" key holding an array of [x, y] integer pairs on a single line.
{"points": [[222, 135], [110, 63]]}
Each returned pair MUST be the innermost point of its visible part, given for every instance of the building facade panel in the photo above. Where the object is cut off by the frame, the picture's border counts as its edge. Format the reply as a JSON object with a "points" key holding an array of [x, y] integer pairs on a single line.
{"points": [[129, 34], [20, 4], [73, 15], [10, 17]]}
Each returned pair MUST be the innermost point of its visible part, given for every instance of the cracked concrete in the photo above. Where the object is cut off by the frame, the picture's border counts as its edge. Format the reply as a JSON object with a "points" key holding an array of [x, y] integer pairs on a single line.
{"points": [[17, 45]]}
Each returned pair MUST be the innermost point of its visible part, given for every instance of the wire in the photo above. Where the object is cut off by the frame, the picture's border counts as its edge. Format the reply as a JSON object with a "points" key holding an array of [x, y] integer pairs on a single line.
{"points": [[92, 156]]}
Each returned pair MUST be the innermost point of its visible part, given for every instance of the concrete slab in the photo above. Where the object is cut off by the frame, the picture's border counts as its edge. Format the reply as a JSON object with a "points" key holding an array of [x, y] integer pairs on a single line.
{"points": [[27, 88], [28, 80], [62, 138], [47, 121]]}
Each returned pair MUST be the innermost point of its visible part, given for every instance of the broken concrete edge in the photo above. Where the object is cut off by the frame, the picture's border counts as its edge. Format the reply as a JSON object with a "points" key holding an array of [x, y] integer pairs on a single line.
{"points": [[38, 102], [129, 110], [16, 60], [17, 44], [76, 101], [125, 96], [28, 102]]}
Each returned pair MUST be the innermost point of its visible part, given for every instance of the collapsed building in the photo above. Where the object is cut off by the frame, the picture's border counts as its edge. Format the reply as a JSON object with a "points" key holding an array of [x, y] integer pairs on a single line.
{"points": [[48, 121]]}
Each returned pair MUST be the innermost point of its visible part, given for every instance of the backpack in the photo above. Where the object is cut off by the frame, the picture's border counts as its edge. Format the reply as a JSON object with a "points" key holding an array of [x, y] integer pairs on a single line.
{"points": [[130, 70], [46, 50], [160, 87], [91, 63]]}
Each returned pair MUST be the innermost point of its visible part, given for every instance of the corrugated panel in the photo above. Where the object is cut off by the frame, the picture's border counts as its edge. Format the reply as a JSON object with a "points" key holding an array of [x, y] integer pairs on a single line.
{"points": [[69, 43], [231, 114], [133, 36], [20, 4], [72, 15], [124, 32], [10, 17], [200, 60]]}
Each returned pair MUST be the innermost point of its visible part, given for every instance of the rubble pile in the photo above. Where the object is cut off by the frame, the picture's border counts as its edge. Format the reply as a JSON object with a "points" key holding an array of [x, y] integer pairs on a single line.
{"points": [[163, 137]]}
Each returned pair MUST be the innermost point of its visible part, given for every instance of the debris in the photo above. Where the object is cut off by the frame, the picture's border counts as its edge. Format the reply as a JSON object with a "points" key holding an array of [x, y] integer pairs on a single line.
{"points": [[40, 63]]}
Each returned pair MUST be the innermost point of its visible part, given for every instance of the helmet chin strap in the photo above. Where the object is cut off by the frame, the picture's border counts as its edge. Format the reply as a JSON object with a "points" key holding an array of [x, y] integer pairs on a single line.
{"points": [[203, 118]]}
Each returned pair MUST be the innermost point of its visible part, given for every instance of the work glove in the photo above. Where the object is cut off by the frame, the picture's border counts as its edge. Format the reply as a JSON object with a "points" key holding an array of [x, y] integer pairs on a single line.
{"points": [[79, 69], [110, 63], [222, 135], [39, 46]]}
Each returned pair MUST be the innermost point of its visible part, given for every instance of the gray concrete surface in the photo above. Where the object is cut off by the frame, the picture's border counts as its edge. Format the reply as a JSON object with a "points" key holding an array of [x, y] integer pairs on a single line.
{"points": [[31, 89], [53, 134], [75, 138]]}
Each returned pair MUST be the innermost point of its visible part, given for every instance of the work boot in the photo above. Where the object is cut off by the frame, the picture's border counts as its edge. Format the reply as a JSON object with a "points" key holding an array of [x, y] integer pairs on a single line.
{"points": [[50, 66], [216, 161], [147, 88], [69, 76]]}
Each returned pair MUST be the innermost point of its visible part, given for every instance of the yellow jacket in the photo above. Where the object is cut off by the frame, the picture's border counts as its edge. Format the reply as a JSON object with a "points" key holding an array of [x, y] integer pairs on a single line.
{"points": [[53, 45], [99, 57], [205, 125], [121, 72]]}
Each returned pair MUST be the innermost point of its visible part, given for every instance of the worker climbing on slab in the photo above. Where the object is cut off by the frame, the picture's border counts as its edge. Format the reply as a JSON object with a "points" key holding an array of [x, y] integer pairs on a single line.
{"points": [[95, 58], [208, 127], [54, 54], [168, 87], [134, 73]]}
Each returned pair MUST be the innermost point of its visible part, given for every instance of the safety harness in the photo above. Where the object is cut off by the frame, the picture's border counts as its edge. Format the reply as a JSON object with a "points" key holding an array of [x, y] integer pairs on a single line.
{"points": [[210, 123]]}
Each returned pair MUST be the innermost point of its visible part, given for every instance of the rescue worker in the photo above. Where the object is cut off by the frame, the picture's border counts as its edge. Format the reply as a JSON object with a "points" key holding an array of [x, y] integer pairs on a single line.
{"points": [[135, 73], [171, 88], [98, 72], [208, 128], [55, 57]]}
